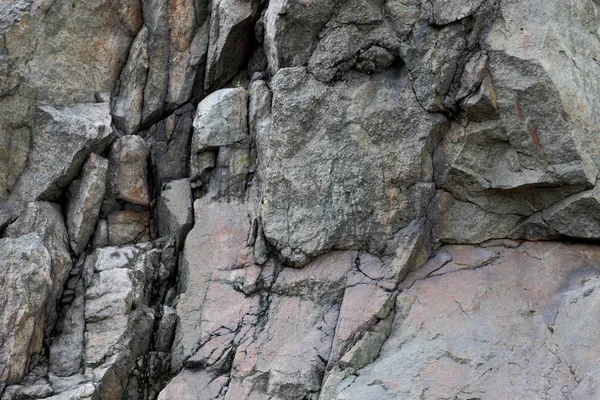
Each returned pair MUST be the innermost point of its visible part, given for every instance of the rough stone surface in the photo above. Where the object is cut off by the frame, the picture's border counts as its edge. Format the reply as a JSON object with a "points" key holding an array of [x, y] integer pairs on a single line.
{"points": [[169, 142], [359, 177], [60, 144], [26, 289], [127, 171], [174, 210], [85, 201], [375, 184], [128, 226], [229, 45], [47, 222]]}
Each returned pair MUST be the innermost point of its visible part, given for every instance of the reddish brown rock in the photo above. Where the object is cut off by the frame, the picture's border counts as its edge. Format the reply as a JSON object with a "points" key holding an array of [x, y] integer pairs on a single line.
{"points": [[128, 226], [127, 171]]}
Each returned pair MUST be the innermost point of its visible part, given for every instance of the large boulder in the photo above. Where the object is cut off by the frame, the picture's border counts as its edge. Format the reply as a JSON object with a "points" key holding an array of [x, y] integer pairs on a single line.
{"points": [[85, 201], [128, 171], [482, 317], [347, 165], [220, 150], [60, 144], [26, 284], [47, 221]]}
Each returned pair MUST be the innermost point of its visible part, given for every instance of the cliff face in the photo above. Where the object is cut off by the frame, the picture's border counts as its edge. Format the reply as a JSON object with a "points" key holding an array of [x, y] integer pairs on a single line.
{"points": [[299, 200]]}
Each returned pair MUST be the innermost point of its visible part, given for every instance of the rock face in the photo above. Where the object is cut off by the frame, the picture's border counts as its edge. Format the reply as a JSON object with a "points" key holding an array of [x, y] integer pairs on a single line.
{"points": [[61, 142], [26, 284], [485, 317], [299, 200], [84, 205]]}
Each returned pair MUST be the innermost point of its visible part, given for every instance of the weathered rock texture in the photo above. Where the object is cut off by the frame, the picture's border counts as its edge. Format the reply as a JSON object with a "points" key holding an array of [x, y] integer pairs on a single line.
{"points": [[299, 200]]}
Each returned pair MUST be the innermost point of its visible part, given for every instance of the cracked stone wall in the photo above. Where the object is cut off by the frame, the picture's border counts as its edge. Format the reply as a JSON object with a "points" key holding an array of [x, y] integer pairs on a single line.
{"points": [[299, 200]]}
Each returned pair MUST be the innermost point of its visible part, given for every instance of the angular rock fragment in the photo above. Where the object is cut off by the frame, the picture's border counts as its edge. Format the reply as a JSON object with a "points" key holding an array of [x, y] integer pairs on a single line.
{"points": [[221, 120], [61, 142], [67, 350], [576, 216], [291, 30], [221, 127], [128, 107], [231, 24], [156, 18], [174, 210], [85, 201], [46, 220], [336, 53], [189, 37], [128, 226], [101, 234], [340, 163], [169, 142], [127, 171], [482, 105]]}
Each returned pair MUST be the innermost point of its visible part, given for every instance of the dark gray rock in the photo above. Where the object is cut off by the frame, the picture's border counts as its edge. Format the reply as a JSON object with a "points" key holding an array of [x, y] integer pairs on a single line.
{"points": [[231, 28], [128, 171], [47, 222], [156, 18], [346, 165], [174, 210]]}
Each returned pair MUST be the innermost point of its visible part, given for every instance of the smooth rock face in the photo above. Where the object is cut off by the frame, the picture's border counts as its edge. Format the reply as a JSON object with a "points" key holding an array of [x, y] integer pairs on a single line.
{"points": [[60, 144], [26, 289], [209, 246], [84, 205], [465, 333], [175, 210]]}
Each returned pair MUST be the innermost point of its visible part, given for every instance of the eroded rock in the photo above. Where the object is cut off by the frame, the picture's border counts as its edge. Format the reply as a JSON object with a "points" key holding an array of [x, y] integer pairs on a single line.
{"points": [[26, 283], [127, 171], [175, 210], [85, 201], [61, 142]]}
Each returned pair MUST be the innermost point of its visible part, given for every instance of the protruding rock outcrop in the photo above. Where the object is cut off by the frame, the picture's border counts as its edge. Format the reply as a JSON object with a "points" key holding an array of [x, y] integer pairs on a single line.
{"points": [[284, 200]]}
